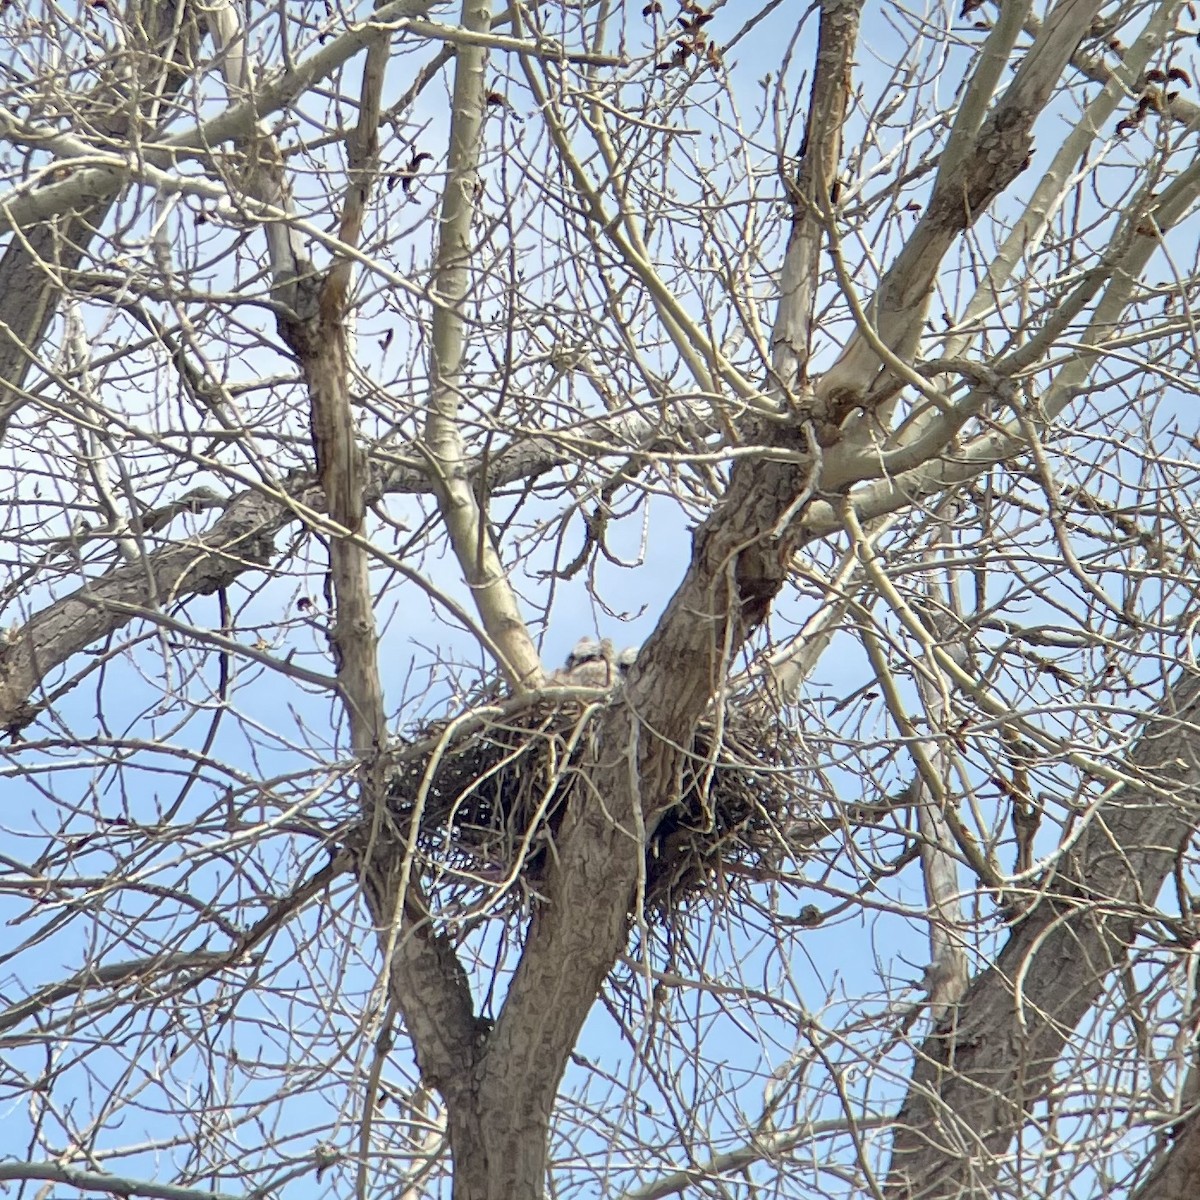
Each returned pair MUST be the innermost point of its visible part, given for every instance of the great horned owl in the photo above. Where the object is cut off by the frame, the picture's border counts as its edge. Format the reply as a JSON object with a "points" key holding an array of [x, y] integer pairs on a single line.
{"points": [[594, 664]]}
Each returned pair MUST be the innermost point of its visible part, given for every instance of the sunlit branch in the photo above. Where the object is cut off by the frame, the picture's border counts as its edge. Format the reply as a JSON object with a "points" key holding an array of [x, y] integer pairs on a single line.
{"points": [[460, 508], [110, 1185]]}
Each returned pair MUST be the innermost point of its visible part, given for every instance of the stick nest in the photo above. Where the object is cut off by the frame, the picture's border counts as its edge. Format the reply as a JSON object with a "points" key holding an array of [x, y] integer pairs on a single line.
{"points": [[491, 802]]}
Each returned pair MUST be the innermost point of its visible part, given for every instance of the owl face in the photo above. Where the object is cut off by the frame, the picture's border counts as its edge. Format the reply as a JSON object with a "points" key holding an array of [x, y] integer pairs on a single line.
{"points": [[591, 663], [594, 663]]}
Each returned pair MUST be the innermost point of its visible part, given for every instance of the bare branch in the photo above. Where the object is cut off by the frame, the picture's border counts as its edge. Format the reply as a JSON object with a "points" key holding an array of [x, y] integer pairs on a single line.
{"points": [[1016, 1016], [242, 539], [978, 172], [459, 506], [111, 1185], [106, 975]]}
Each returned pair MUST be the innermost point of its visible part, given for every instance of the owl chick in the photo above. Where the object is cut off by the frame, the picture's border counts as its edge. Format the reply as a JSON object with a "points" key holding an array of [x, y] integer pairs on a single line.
{"points": [[594, 663], [590, 664]]}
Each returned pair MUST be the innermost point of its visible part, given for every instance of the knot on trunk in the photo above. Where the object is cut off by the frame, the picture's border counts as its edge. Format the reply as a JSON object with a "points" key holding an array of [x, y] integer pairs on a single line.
{"points": [[1002, 152], [299, 317]]}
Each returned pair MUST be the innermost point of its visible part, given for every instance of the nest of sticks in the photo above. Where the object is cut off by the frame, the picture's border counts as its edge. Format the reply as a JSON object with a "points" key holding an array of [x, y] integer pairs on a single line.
{"points": [[491, 800]]}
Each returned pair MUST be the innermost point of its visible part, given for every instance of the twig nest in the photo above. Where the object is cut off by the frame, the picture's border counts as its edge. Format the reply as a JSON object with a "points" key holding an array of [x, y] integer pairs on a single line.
{"points": [[489, 802]]}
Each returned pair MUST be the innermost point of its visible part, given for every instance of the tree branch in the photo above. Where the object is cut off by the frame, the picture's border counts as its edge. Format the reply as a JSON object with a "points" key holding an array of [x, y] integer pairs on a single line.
{"points": [[459, 507], [37, 259], [112, 1185], [976, 1076], [242, 540], [108, 975], [978, 172]]}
